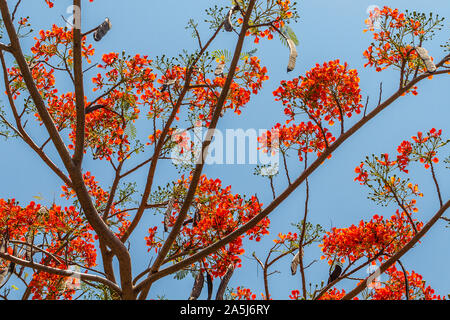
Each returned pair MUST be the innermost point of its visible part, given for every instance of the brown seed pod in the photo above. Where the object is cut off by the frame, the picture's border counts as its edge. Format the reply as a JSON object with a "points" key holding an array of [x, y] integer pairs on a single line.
{"points": [[295, 262], [228, 26], [224, 283], [198, 286], [423, 54], [219, 70], [168, 213], [102, 30], [292, 55]]}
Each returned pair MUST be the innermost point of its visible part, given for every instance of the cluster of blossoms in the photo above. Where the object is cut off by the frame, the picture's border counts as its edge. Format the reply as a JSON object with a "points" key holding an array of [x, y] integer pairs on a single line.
{"points": [[216, 213], [248, 80], [327, 93], [395, 287], [368, 238], [66, 239], [243, 294], [394, 44], [423, 149], [379, 238]]}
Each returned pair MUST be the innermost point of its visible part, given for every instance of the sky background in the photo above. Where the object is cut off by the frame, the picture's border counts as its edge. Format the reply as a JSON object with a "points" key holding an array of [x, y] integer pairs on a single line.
{"points": [[327, 30]]}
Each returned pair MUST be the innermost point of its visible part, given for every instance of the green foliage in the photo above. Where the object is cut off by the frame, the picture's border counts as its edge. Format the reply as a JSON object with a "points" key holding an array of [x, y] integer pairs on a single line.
{"points": [[313, 232], [289, 34]]}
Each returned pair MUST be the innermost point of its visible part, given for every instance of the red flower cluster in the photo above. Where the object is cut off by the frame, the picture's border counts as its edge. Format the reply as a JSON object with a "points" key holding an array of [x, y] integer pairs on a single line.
{"points": [[68, 239], [328, 92], [394, 43], [217, 213], [368, 238], [243, 294], [395, 287]]}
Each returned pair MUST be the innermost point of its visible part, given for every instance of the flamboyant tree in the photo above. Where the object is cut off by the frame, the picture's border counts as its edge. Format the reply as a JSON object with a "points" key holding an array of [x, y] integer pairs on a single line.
{"points": [[81, 247]]}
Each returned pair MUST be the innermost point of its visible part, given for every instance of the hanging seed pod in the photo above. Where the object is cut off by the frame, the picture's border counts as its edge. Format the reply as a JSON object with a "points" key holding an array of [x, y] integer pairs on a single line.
{"points": [[197, 216], [28, 251], [3, 275], [228, 26], [102, 30], [198, 286], [168, 213], [295, 262], [224, 283], [423, 54], [210, 285], [219, 69], [335, 274], [292, 55]]}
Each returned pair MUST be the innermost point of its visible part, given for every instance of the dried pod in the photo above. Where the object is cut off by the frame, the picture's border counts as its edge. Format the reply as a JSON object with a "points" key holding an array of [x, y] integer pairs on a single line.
{"points": [[28, 250], [335, 274], [292, 55], [228, 26], [197, 216], [423, 54], [224, 283], [295, 262], [102, 30], [210, 285], [198, 286], [3, 275], [219, 69], [168, 213]]}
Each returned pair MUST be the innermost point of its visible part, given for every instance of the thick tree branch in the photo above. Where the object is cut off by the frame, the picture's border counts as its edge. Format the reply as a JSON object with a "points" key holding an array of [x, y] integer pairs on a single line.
{"points": [[79, 90]]}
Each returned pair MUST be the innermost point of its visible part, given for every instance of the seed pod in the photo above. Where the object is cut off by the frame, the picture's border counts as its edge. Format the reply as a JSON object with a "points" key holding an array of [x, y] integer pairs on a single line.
{"points": [[292, 55], [197, 216], [3, 275], [335, 274], [210, 285], [228, 26], [219, 70], [198, 286], [423, 54], [168, 214], [28, 251], [295, 262], [102, 30], [224, 283]]}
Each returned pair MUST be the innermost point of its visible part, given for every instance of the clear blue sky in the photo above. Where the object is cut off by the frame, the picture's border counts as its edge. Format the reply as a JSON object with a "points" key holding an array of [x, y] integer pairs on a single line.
{"points": [[327, 30]]}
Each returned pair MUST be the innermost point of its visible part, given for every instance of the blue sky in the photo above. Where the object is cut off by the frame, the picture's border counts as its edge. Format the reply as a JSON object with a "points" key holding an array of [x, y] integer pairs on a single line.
{"points": [[327, 30]]}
